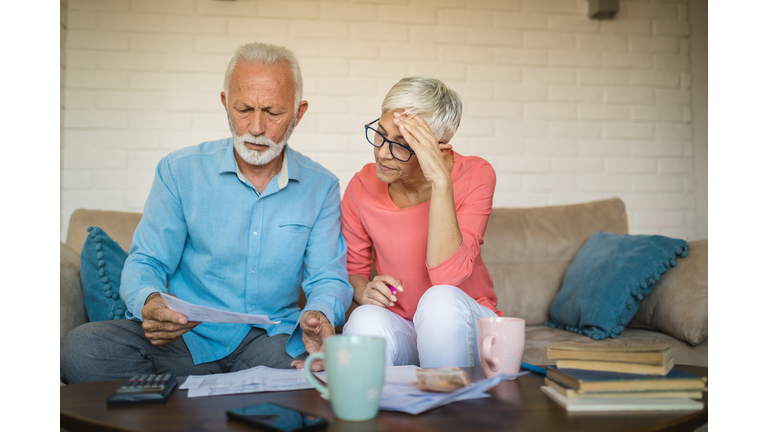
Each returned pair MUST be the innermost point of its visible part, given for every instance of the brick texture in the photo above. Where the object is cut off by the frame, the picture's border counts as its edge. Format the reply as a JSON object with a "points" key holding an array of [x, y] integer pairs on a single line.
{"points": [[567, 109]]}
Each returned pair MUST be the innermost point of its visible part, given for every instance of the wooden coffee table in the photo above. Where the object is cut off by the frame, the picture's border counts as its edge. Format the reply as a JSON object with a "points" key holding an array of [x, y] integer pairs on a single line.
{"points": [[515, 405]]}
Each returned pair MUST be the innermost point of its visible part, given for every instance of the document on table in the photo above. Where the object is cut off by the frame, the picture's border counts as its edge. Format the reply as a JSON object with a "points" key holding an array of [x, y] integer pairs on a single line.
{"points": [[400, 393], [253, 380], [205, 314]]}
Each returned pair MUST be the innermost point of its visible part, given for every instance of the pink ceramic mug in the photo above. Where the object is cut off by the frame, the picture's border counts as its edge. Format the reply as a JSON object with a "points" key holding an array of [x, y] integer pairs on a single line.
{"points": [[501, 341]]}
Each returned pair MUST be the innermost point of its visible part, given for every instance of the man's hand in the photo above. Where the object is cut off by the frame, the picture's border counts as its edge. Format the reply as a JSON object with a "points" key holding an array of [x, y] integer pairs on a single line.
{"points": [[162, 325], [315, 328]]}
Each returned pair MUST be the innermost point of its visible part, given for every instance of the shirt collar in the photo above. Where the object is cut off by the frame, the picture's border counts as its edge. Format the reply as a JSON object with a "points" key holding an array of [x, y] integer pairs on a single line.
{"points": [[290, 167], [282, 176], [228, 163], [288, 171]]}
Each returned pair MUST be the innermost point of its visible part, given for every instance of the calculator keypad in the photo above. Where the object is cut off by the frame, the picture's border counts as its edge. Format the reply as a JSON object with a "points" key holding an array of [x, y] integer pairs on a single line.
{"points": [[146, 388]]}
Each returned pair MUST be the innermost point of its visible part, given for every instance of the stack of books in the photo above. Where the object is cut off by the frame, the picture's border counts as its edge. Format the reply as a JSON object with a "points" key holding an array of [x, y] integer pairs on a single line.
{"points": [[602, 377]]}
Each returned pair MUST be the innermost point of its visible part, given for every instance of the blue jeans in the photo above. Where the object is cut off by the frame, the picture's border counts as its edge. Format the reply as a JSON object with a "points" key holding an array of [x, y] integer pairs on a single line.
{"points": [[443, 331], [118, 349]]}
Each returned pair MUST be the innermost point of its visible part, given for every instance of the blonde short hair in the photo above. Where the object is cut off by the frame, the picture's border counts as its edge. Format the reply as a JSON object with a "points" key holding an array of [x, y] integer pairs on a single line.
{"points": [[429, 97]]}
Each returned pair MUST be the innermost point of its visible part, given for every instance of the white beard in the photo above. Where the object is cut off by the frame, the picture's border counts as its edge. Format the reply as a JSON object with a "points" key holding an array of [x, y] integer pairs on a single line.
{"points": [[255, 157]]}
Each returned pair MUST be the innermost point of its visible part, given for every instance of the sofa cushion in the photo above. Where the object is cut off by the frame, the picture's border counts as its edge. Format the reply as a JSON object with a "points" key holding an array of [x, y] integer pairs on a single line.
{"points": [[119, 225], [71, 307], [101, 264], [609, 277], [528, 250], [678, 304]]}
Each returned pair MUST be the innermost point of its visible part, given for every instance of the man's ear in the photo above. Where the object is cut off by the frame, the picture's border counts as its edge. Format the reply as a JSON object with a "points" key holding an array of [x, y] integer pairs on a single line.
{"points": [[224, 100], [445, 148], [303, 106]]}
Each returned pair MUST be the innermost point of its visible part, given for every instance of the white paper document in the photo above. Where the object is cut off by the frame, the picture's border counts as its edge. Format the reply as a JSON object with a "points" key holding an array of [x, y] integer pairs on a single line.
{"points": [[205, 314], [400, 393], [253, 380]]}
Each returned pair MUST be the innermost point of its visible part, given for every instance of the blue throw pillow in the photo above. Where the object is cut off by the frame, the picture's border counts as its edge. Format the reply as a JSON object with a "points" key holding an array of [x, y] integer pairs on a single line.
{"points": [[101, 264], [609, 277]]}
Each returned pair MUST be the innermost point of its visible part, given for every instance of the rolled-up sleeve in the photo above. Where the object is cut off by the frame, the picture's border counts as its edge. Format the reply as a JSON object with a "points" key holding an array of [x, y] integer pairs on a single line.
{"points": [[472, 215]]}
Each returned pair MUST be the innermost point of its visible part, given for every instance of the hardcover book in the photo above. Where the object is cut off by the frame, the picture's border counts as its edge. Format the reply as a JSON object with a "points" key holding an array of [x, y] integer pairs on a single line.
{"points": [[649, 394], [622, 404], [589, 380], [659, 354], [610, 366]]}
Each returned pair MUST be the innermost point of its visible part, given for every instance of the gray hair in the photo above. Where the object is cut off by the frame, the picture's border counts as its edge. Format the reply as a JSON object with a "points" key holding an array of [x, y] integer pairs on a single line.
{"points": [[429, 97], [266, 54]]}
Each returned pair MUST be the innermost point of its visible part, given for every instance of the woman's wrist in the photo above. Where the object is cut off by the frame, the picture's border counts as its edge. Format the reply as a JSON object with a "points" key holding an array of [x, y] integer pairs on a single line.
{"points": [[358, 285], [439, 174], [442, 183]]}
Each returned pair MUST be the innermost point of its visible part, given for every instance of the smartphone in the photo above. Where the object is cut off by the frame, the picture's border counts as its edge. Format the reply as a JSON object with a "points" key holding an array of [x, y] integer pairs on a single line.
{"points": [[273, 417]]}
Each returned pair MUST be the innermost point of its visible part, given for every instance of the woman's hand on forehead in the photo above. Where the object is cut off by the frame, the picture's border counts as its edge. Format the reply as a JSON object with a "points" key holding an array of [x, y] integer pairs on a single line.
{"points": [[423, 142]]}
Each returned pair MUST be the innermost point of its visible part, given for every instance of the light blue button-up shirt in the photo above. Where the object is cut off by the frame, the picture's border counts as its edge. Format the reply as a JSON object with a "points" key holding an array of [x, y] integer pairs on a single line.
{"points": [[220, 243]]}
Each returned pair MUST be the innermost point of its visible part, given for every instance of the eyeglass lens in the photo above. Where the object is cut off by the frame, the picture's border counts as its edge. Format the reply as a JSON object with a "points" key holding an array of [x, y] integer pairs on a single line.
{"points": [[400, 152]]}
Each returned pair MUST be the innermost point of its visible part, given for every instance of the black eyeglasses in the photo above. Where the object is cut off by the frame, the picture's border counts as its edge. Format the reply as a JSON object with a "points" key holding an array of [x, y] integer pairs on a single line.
{"points": [[398, 151]]}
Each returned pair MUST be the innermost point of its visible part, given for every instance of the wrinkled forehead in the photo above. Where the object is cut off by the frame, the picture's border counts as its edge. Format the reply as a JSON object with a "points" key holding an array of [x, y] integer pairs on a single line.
{"points": [[259, 78]]}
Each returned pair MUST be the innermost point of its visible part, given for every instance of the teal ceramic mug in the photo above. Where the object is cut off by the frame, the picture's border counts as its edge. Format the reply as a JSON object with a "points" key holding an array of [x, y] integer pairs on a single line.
{"points": [[355, 374]]}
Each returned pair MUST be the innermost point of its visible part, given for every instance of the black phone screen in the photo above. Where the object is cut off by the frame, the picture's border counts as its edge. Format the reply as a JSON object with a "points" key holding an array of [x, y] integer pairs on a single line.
{"points": [[276, 417]]}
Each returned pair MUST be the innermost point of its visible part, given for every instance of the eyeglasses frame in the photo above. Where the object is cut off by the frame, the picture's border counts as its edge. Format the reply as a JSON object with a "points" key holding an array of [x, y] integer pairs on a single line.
{"points": [[368, 126]]}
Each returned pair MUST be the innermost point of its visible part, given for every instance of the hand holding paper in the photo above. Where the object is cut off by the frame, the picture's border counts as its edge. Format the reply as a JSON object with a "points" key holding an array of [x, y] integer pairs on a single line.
{"points": [[162, 325], [205, 314]]}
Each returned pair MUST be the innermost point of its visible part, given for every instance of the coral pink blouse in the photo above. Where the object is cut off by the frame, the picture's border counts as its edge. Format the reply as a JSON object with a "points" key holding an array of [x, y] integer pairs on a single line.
{"points": [[399, 236]]}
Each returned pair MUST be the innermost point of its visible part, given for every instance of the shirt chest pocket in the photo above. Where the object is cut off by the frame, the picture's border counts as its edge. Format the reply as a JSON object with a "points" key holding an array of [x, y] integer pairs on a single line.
{"points": [[292, 238]]}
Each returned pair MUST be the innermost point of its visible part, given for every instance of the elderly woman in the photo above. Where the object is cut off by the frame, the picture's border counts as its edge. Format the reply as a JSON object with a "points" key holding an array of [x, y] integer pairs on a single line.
{"points": [[421, 210]]}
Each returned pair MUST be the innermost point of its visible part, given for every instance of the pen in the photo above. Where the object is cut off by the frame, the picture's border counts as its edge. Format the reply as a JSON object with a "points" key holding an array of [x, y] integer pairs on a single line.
{"points": [[391, 288], [532, 368]]}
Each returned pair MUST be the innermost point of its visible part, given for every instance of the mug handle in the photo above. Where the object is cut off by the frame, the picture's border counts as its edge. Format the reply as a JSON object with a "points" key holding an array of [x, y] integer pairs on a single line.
{"points": [[311, 377], [488, 340]]}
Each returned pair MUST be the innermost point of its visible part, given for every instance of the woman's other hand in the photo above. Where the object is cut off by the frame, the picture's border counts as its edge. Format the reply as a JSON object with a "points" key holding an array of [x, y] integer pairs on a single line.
{"points": [[379, 291]]}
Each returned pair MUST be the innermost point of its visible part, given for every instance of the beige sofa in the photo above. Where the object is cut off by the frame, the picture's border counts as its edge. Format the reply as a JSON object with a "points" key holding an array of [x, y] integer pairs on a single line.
{"points": [[527, 252]]}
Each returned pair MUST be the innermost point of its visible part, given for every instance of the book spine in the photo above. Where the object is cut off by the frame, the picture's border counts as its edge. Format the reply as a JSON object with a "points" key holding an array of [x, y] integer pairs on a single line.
{"points": [[656, 359], [633, 368]]}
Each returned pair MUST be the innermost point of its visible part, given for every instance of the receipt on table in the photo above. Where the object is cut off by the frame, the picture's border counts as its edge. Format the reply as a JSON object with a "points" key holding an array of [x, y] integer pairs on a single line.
{"points": [[205, 314]]}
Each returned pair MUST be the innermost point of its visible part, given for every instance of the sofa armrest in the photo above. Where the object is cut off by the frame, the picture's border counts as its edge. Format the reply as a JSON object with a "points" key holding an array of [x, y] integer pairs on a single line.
{"points": [[678, 304], [72, 307]]}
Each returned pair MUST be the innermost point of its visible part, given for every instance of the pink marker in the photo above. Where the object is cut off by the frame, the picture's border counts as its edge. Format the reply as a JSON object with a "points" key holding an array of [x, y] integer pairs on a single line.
{"points": [[391, 288]]}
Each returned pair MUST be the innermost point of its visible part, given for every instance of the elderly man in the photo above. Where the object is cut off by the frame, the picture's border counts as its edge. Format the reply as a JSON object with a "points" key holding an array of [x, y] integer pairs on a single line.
{"points": [[242, 224]]}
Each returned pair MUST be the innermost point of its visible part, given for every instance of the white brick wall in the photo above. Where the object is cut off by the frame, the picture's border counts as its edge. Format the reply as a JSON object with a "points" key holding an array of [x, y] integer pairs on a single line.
{"points": [[68, 178], [567, 109]]}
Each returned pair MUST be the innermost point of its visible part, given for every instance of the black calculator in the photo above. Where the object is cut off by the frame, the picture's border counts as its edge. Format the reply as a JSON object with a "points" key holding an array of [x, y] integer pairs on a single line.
{"points": [[141, 389]]}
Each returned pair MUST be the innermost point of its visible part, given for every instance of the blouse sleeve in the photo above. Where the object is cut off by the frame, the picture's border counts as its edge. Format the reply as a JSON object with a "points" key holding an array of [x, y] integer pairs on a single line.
{"points": [[472, 212], [359, 243]]}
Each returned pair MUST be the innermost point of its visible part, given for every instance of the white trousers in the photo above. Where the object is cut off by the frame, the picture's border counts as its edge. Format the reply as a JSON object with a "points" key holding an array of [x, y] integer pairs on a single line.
{"points": [[443, 331]]}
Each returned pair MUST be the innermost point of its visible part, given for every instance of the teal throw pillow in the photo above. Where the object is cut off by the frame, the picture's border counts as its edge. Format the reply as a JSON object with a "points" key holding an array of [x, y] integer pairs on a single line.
{"points": [[605, 283], [101, 264]]}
